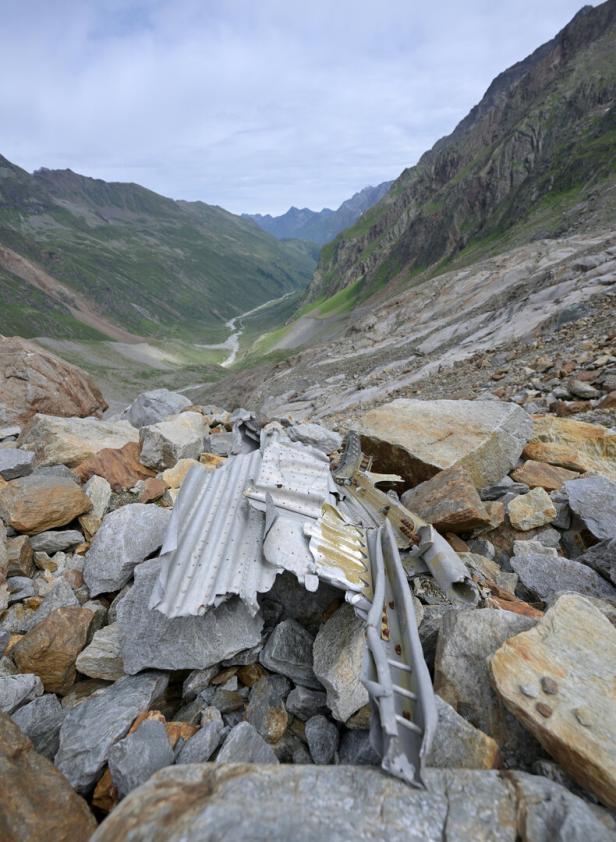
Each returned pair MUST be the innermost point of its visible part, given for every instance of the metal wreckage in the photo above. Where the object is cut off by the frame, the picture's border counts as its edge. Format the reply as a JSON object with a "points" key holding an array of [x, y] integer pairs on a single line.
{"points": [[276, 505]]}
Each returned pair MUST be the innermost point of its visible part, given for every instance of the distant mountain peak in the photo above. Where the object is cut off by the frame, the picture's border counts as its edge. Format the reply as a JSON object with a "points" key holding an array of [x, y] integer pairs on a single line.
{"points": [[320, 226]]}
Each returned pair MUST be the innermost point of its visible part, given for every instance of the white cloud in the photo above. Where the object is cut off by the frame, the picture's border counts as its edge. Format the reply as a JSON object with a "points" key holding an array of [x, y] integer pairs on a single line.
{"points": [[251, 104]]}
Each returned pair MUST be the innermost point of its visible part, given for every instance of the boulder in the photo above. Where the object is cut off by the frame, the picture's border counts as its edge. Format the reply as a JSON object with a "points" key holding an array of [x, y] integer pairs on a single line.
{"points": [[529, 511], [68, 441], [461, 677], [209, 802], [61, 595], [154, 406], [304, 703], [126, 537], [459, 745], [91, 728], [602, 558], [266, 710], [288, 651], [417, 439], [245, 745], [36, 503], [35, 380], [20, 557], [99, 492], [150, 639], [202, 745], [120, 467], [593, 499], [56, 541], [545, 576], [558, 680], [449, 501], [541, 475], [40, 721], [15, 463], [181, 437], [16, 690], [135, 758], [338, 655], [574, 445], [323, 739], [51, 648], [36, 801], [152, 489], [102, 657], [316, 436]]}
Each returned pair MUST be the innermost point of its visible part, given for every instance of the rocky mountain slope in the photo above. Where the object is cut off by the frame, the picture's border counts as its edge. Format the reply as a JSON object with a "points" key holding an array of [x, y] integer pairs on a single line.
{"points": [[80, 257], [534, 159], [321, 226]]}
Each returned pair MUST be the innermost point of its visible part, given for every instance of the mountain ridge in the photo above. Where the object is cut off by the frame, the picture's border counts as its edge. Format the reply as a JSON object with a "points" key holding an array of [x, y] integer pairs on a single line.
{"points": [[321, 226], [540, 141]]}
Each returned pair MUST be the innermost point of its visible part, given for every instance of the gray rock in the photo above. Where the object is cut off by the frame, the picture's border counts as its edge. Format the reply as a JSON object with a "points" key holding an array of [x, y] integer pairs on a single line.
{"points": [[16, 690], [10, 432], [60, 596], [91, 728], [197, 681], [221, 444], [304, 703], [458, 744], [288, 600], [338, 656], [206, 803], [481, 546], [156, 405], [5, 636], [593, 499], [135, 758], [150, 639], [602, 559], [563, 512], [20, 587], [495, 492], [543, 576], [126, 537], [55, 541], [202, 745], [266, 710], [60, 471], [581, 389], [316, 436], [429, 630], [357, 750], [323, 739], [289, 652], [525, 548], [165, 443], [98, 490], [15, 463], [245, 745], [102, 657], [461, 676], [40, 720]]}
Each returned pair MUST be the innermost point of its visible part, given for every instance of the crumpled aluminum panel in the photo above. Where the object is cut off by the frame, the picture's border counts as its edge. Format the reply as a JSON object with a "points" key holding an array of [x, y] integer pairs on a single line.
{"points": [[340, 551], [295, 476], [214, 544]]}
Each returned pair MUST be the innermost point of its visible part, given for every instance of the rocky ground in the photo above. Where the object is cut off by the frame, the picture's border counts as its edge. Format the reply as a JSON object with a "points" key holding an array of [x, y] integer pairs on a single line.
{"points": [[158, 729]]}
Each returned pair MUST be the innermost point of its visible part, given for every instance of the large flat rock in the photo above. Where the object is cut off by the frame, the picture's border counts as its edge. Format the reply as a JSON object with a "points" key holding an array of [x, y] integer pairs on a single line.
{"points": [[37, 503], [150, 639], [35, 380], [207, 802], [417, 439], [68, 441], [574, 445], [559, 681]]}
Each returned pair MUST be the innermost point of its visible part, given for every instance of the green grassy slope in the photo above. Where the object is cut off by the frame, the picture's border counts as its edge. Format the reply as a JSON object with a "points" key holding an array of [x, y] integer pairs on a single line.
{"points": [[154, 266]]}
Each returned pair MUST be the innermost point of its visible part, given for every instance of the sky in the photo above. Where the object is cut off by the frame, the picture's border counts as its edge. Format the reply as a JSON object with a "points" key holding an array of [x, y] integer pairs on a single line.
{"points": [[254, 105]]}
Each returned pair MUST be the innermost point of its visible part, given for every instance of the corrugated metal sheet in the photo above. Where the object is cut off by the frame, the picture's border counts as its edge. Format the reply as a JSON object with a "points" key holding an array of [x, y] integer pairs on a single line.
{"points": [[214, 545], [340, 551]]}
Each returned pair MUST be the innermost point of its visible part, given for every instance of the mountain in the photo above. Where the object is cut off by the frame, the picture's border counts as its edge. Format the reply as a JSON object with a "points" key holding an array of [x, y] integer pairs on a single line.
{"points": [[535, 158], [84, 258], [321, 226]]}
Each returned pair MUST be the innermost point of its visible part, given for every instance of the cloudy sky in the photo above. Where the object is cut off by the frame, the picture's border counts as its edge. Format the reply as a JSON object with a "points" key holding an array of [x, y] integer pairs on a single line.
{"points": [[254, 105]]}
